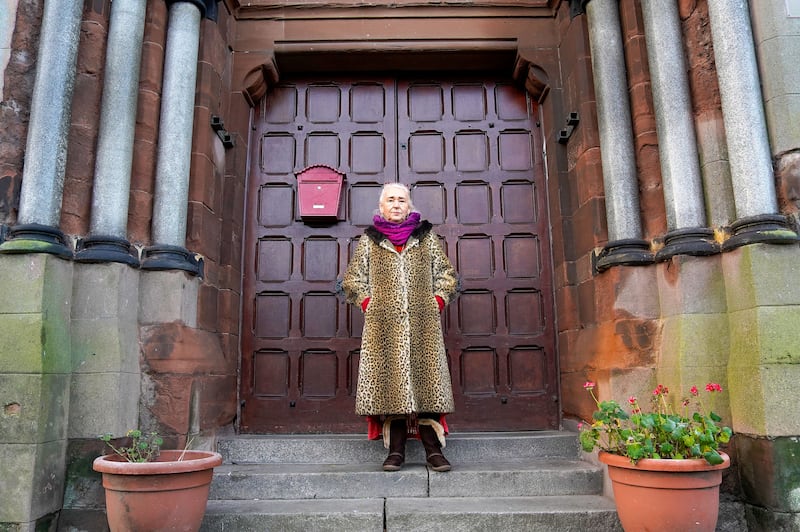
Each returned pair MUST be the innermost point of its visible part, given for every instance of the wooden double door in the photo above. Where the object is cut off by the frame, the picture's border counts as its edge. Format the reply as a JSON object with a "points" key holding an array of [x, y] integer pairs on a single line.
{"points": [[471, 152]]}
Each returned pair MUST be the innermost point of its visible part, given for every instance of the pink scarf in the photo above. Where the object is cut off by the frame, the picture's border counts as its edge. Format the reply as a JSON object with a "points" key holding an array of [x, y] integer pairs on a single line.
{"points": [[397, 233]]}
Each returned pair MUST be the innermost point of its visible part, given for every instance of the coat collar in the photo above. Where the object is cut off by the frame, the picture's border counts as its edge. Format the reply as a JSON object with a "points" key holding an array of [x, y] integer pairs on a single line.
{"points": [[419, 233]]}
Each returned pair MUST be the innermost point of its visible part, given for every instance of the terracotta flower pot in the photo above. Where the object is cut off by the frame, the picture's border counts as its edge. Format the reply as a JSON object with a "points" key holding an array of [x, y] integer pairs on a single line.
{"points": [[666, 495], [167, 494]]}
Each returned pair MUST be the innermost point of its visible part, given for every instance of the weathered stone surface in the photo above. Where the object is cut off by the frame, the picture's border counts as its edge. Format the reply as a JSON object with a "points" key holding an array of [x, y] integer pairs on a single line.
{"points": [[517, 513], [695, 340], [31, 480], [21, 349], [107, 290], [25, 275], [84, 489], [104, 345], [35, 338], [167, 296], [763, 520], [766, 335], [787, 177], [103, 402], [761, 275], [770, 471], [34, 407], [764, 403]]}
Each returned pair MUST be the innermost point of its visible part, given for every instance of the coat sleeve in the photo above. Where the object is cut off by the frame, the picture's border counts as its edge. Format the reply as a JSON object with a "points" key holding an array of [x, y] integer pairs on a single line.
{"points": [[355, 283], [445, 280]]}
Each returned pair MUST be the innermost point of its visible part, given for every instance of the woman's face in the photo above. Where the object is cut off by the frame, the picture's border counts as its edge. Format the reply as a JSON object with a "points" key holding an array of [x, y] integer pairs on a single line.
{"points": [[394, 205]]}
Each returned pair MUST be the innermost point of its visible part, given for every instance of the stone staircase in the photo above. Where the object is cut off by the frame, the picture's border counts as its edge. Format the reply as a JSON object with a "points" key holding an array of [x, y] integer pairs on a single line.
{"points": [[500, 481]]}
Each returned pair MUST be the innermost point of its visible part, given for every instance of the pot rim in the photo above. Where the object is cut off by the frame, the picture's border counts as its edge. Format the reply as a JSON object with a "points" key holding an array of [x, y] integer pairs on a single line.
{"points": [[664, 464], [166, 463]]}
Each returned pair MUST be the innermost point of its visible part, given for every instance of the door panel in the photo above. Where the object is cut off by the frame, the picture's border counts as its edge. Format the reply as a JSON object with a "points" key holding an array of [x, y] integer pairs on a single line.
{"points": [[472, 155]]}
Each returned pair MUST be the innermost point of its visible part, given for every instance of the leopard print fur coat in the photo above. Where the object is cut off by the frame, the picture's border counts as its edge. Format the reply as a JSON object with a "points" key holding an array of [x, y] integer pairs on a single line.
{"points": [[403, 365]]}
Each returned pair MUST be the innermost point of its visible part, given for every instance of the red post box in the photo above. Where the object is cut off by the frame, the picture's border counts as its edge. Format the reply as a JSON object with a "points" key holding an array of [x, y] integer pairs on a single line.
{"points": [[319, 189]]}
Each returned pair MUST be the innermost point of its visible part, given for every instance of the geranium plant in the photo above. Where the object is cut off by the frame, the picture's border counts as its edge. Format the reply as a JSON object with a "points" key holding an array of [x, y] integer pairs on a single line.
{"points": [[144, 447], [690, 431]]}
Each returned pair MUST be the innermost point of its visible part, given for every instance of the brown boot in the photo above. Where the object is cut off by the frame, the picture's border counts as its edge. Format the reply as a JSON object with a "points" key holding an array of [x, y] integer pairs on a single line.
{"points": [[433, 449], [397, 446]]}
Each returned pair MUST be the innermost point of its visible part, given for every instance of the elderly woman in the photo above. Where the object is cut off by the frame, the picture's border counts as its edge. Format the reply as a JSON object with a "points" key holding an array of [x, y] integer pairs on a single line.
{"points": [[402, 279]]}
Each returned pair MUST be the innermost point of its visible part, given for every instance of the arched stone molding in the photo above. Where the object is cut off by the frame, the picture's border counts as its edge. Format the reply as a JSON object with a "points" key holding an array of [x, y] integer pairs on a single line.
{"points": [[256, 73], [532, 76]]}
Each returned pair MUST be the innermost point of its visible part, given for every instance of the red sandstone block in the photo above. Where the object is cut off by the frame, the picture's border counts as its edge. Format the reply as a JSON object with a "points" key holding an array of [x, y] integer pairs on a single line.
{"points": [[230, 277], [575, 43], [230, 349], [202, 133], [642, 109], [237, 117], [207, 301], [152, 67], [567, 305], [80, 153], [228, 241], [92, 48], [636, 60], [156, 16], [588, 131], [139, 216], [576, 402], [228, 307], [204, 183], [143, 166], [587, 309], [176, 348], [590, 176], [589, 226], [213, 47], [787, 176], [232, 200], [97, 10], [630, 14], [218, 400], [217, 394], [147, 115], [203, 231], [86, 101], [234, 259], [75, 206], [209, 88], [236, 159]]}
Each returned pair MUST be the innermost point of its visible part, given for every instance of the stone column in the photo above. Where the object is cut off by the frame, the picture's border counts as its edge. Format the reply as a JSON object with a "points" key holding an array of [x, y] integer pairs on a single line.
{"points": [[677, 143], [175, 142], [625, 245], [745, 128], [108, 240], [46, 150]]}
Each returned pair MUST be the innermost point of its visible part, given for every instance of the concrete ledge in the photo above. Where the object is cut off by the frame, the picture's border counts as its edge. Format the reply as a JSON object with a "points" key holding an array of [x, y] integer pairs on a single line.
{"points": [[324, 481], [355, 448], [590, 512], [353, 515]]}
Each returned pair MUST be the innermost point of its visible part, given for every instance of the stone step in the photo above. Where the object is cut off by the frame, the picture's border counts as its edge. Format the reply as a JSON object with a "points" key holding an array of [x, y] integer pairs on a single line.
{"points": [[355, 481], [355, 448], [500, 481], [530, 514]]}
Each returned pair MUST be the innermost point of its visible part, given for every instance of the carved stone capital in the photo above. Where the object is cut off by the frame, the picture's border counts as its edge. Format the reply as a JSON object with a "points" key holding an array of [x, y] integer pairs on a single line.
{"points": [[255, 73]]}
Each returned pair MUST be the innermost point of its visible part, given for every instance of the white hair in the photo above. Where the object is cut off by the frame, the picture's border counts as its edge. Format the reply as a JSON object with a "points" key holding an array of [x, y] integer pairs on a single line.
{"points": [[399, 186]]}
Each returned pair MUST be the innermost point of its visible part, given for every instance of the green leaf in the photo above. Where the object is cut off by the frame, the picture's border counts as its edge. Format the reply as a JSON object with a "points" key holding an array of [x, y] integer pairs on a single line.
{"points": [[713, 457], [715, 417], [588, 441]]}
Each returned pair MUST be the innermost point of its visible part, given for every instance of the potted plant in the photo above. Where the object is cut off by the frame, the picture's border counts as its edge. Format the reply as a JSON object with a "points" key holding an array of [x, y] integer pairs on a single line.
{"points": [[148, 488], [665, 465]]}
